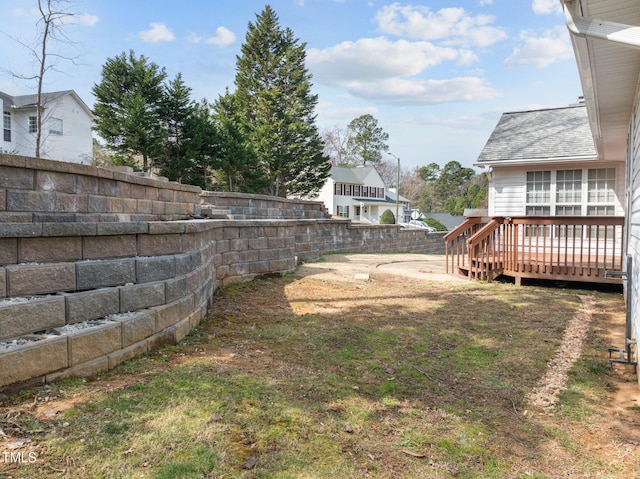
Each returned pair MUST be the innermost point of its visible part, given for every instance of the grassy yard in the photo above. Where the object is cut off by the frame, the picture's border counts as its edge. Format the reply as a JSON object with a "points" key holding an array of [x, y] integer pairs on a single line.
{"points": [[304, 377]]}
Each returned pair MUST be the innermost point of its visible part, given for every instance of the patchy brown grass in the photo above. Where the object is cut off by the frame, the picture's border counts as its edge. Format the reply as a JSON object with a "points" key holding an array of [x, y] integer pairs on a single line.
{"points": [[314, 376]]}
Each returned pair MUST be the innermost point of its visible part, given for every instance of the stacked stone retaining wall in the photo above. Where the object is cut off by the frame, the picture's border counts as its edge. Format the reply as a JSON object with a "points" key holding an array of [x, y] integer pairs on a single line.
{"points": [[46, 191], [80, 294]]}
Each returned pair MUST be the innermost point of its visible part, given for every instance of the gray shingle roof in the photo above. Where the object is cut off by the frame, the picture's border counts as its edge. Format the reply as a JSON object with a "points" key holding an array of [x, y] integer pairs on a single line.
{"points": [[25, 101], [356, 175], [539, 135]]}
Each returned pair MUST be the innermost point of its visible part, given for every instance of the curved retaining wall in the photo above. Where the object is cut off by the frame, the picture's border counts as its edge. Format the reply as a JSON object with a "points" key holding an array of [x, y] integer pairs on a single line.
{"points": [[80, 296]]}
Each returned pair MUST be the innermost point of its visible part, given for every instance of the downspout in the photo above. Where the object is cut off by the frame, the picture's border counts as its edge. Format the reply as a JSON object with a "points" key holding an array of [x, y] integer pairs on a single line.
{"points": [[586, 27], [628, 36]]}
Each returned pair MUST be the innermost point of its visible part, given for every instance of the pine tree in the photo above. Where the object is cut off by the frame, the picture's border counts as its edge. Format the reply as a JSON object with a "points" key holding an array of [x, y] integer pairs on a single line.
{"points": [[366, 140], [128, 108], [177, 107], [236, 164], [274, 97]]}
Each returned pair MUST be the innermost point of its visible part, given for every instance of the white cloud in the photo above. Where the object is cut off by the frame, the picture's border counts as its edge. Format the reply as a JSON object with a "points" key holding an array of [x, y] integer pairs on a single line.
{"points": [[66, 19], [543, 51], [544, 7], [452, 26], [486, 2], [157, 33], [86, 19], [400, 91], [375, 58], [333, 112], [10, 88], [223, 38]]}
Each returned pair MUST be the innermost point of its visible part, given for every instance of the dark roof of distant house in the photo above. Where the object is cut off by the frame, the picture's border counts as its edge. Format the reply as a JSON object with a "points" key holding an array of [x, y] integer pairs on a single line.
{"points": [[539, 135]]}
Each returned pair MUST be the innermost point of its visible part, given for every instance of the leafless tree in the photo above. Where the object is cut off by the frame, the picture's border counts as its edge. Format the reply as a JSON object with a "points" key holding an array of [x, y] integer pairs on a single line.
{"points": [[335, 146], [53, 15], [388, 171]]}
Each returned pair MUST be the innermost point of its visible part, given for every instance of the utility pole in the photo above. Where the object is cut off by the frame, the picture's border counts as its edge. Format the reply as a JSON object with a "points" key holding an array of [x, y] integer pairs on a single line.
{"points": [[397, 188]]}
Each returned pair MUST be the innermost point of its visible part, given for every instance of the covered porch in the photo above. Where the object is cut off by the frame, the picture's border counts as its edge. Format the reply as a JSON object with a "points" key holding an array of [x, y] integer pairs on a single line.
{"points": [[567, 248]]}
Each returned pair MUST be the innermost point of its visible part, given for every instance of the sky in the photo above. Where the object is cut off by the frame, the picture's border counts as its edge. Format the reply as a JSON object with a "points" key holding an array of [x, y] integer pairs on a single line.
{"points": [[436, 75]]}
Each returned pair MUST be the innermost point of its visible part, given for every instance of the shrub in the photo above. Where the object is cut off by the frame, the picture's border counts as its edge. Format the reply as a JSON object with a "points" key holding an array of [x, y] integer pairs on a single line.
{"points": [[434, 223], [387, 218]]}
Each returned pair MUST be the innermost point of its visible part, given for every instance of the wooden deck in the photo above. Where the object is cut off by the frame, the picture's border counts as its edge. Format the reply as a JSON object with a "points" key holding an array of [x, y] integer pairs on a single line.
{"points": [[587, 249]]}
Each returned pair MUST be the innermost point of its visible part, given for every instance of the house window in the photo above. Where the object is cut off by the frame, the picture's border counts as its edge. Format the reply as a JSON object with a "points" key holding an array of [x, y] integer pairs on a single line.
{"points": [[33, 124], [55, 126], [601, 191], [6, 124], [342, 211], [356, 190], [347, 190], [538, 193], [569, 192]]}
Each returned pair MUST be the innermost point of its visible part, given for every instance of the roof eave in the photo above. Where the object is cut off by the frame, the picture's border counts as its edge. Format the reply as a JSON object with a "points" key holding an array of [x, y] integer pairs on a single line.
{"points": [[535, 161]]}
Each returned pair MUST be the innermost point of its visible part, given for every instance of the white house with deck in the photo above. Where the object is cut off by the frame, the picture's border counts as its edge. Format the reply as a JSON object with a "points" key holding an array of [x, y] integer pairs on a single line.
{"points": [[544, 163], [66, 132]]}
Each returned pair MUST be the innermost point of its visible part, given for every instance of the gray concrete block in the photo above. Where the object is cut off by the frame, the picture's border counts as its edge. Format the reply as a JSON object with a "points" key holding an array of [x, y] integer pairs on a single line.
{"points": [[167, 315], [118, 228], [20, 318], [141, 296], [138, 327], [50, 250], [8, 250], [94, 304], [100, 273], [24, 200], [90, 368], [17, 178], [162, 338], [111, 246], [33, 360], [182, 329], [176, 288], [125, 354], [155, 268], [88, 344], [20, 230], [29, 280], [69, 229]]}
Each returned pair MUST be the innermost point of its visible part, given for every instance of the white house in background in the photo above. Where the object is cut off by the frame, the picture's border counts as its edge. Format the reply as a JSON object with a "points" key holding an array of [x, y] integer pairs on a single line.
{"points": [[66, 132], [356, 193], [545, 163]]}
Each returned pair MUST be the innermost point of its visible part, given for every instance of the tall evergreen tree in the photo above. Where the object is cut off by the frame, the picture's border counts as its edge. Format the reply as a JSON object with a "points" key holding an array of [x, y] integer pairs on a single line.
{"points": [[273, 89], [236, 164], [128, 108], [177, 108], [200, 145]]}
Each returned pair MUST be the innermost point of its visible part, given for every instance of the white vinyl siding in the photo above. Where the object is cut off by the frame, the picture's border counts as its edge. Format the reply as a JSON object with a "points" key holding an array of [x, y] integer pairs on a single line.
{"points": [[506, 192], [632, 224]]}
